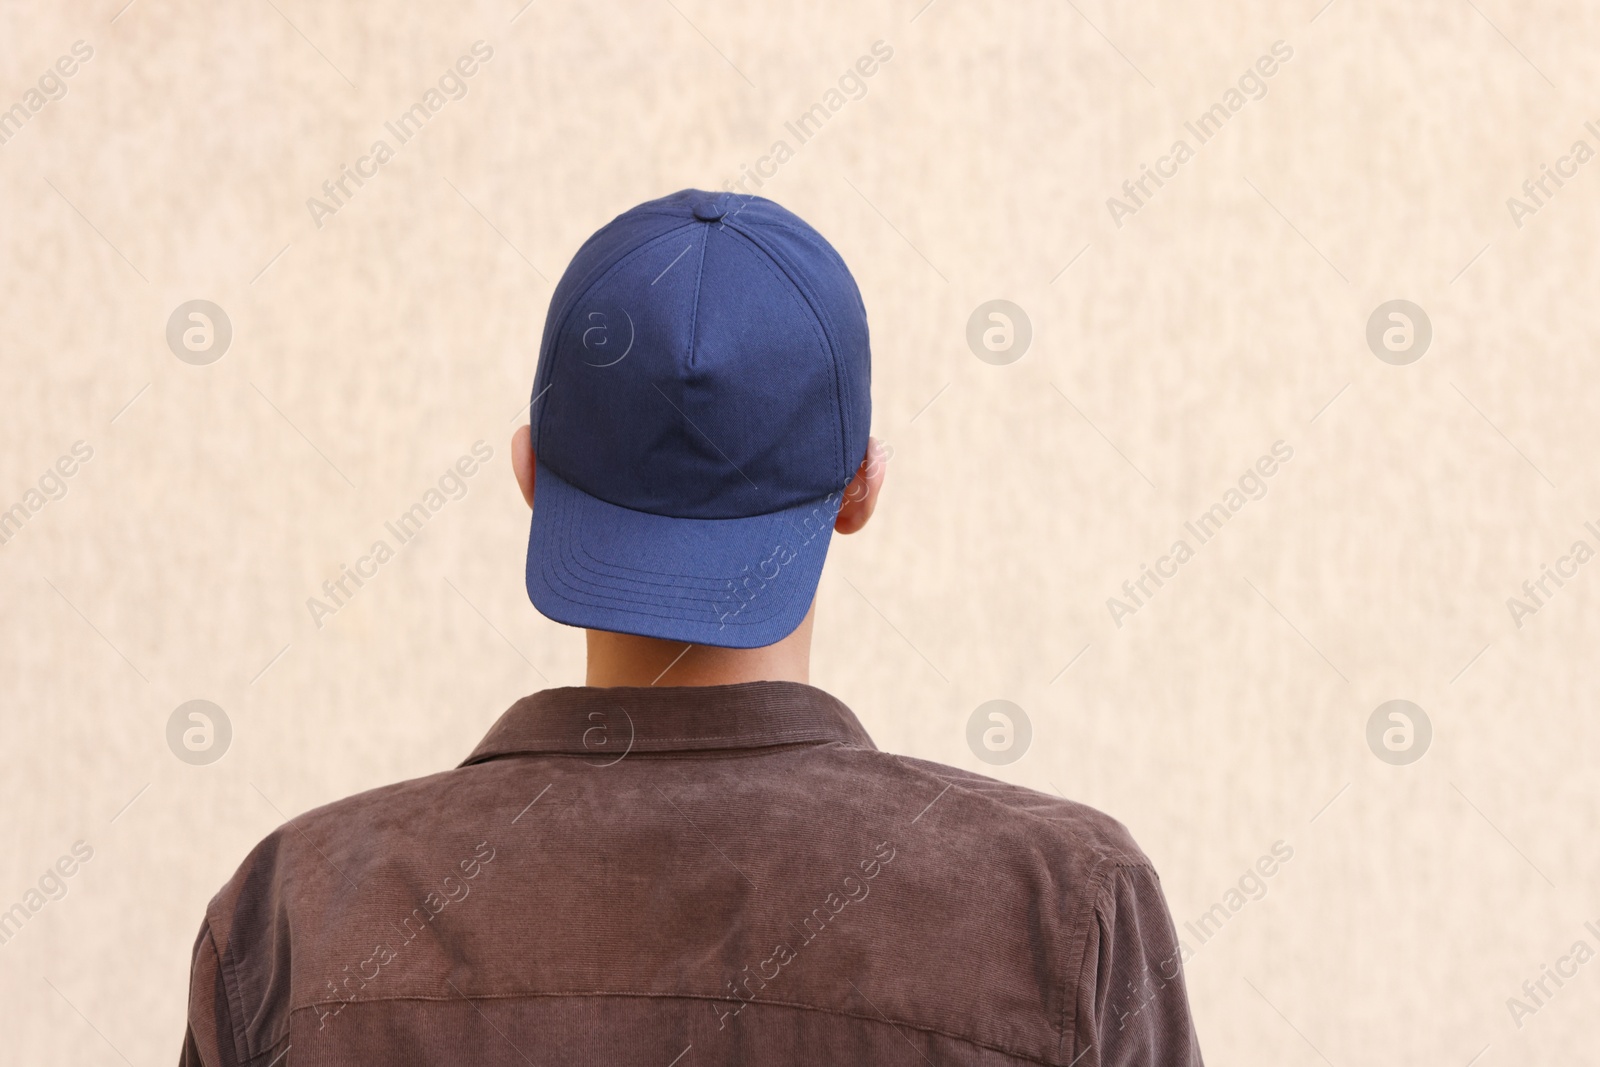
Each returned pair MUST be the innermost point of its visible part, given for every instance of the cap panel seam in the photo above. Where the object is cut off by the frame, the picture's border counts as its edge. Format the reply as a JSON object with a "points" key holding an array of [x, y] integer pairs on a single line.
{"points": [[823, 324], [694, 307], [577, 298], [817, 242], [572, 306]]}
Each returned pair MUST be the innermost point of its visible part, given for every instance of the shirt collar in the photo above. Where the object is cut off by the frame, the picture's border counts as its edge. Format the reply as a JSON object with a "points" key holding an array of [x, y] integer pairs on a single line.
{"points": [[611, 722]]}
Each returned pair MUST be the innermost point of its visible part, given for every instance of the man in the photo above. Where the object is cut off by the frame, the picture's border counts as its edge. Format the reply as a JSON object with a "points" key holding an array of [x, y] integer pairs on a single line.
{"points": [[696, 858]]}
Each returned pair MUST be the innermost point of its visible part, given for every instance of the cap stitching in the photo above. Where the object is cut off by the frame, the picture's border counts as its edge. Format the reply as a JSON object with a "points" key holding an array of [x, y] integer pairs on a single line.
{"points": [[573, 583], [694, 307], [577, 578], [578, 575], [781, 519], [582, 586], [813, 305], [821, 244], [601, 275]]}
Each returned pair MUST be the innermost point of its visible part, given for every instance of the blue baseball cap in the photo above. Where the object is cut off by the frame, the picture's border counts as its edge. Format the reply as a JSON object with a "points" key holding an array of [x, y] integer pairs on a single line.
{"points": [[701, 403]]}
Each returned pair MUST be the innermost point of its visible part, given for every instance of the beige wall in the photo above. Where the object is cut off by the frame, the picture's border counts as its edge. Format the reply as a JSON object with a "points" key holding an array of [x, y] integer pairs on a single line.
{"points": [[1226, 314]]}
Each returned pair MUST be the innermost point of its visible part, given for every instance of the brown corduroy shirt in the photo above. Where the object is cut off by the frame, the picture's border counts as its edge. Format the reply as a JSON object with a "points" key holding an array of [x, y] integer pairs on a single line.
{"points": [[683, 877]]}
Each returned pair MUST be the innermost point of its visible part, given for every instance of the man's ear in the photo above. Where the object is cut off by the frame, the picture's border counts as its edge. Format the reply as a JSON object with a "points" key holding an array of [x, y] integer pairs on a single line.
{"points": [[522, 461], [861, 495]]}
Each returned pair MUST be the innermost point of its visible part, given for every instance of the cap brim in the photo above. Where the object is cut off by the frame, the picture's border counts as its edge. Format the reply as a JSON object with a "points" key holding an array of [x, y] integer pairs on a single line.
{"points": [[733, 583]]}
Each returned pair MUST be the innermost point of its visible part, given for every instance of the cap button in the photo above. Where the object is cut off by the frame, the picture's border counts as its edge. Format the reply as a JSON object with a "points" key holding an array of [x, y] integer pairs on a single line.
{"points": [[709, 208]]}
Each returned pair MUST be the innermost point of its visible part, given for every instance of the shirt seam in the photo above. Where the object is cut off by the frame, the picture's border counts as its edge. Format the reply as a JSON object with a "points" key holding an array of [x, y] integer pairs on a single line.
{"points": [[257, 1057], [1102, 854], [739, 752], [1099, 881], [804, 732], [709, 999], [1105, 870], [230, 987]]}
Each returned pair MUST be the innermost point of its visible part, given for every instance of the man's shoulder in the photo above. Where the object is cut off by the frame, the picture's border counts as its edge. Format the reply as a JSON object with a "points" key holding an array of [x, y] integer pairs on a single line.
{"points": [[1050, 813], [332, 844], [405, 795], [342, 836], [1027, 874], [980, 806]]}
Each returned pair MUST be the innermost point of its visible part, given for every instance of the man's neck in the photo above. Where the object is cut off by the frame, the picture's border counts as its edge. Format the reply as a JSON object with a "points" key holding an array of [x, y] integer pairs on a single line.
{"points": [[626, 659]]}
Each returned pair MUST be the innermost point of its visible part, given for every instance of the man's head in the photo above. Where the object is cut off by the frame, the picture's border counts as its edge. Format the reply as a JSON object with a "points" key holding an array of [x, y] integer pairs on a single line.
{"points": [[698, 424]]}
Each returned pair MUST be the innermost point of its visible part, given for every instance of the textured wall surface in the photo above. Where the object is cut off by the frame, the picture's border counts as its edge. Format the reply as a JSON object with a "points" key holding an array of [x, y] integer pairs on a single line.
{"points": [[1178, 335]]}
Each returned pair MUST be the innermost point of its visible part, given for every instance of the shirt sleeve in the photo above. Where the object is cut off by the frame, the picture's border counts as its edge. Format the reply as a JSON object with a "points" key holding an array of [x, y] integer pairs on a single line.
{"points": [[1139, 1013], [208, 1039]]}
